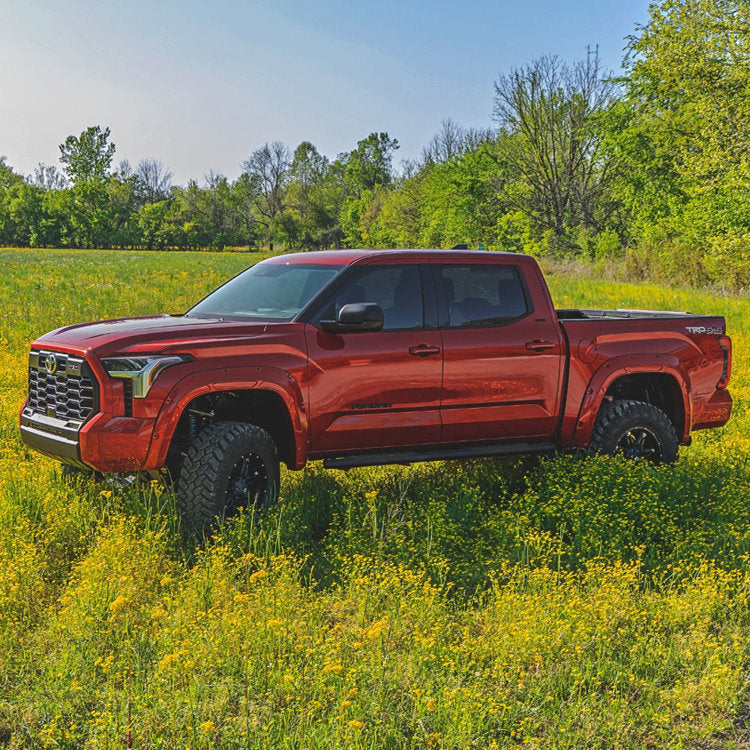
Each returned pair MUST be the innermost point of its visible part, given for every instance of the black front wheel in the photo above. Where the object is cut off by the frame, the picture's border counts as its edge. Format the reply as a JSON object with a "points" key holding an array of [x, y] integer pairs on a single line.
{"points": [[230, 465], [636, 430]]}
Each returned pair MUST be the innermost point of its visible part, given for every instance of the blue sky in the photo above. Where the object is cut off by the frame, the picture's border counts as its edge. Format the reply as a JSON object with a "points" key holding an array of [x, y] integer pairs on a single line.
{"points": [[201, 84]]}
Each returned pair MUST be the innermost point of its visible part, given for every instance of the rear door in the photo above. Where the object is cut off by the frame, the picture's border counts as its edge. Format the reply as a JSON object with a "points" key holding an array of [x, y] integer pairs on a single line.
{"points": [[502, 357], [377, 389]]}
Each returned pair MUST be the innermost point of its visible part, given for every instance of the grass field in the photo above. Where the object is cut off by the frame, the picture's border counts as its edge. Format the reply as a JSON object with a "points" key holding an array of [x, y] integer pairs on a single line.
{"points": [[575, 604]]}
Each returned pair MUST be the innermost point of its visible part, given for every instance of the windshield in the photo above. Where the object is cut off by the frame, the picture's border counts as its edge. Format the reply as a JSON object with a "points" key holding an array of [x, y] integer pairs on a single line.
{"points": [[267, 291]]}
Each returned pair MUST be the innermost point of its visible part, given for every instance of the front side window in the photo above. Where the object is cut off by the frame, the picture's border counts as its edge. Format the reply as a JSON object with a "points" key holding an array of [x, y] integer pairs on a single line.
{"points": [[266, 292], [396, 289], [482, 294]]}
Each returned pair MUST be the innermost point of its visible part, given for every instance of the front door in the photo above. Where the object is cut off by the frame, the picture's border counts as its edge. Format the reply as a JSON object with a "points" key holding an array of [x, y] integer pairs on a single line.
{"points": [[376, 389]]}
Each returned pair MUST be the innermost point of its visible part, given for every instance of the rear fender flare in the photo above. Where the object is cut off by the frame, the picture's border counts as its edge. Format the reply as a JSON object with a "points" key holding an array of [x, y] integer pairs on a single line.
{"points": [[628, 364], [190, 387]]}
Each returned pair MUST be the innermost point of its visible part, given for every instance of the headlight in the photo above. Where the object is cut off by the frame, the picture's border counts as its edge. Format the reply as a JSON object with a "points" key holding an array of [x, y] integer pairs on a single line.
{"points": [[141, 371]]}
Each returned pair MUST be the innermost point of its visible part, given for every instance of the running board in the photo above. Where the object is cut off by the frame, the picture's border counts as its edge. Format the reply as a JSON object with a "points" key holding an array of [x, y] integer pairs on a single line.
{"points": [[435, 454]]}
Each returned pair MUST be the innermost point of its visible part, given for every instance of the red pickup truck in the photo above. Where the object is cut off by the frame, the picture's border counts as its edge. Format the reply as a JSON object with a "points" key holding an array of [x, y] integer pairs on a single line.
{"points": [[361, 357]]}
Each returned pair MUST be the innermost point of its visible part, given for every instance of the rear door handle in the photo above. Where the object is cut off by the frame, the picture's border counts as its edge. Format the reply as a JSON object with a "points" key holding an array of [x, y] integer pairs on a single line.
{"points": [[538, 345], [423, 350]]}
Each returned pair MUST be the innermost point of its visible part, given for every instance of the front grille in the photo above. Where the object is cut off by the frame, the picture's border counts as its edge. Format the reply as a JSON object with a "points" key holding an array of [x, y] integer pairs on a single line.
{"points": [[62, 386]]}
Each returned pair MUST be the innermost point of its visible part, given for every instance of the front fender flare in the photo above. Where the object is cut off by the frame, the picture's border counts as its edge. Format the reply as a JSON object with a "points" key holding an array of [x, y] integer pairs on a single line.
{"points": [[229, 379]]}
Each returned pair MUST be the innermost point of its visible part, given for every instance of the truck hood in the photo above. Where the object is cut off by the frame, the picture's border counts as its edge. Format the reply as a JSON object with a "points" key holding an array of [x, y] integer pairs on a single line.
{"points": [[158, 333]]}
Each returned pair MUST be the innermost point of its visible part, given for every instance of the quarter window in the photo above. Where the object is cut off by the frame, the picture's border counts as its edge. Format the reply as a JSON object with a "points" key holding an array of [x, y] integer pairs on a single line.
{"points": [[482, 295]]}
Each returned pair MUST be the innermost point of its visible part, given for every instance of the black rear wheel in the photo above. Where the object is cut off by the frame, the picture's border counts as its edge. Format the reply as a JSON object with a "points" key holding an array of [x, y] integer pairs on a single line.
{"points": [[636, 430], [229, 465]]}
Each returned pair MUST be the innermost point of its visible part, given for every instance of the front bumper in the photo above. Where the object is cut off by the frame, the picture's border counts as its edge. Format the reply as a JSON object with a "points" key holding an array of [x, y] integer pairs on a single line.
{"points": [[105, 443], [55, 438]]}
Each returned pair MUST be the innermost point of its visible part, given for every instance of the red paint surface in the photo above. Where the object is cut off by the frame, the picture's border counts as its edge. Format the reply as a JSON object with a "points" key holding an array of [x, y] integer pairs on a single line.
{"points": [[370, 391]]}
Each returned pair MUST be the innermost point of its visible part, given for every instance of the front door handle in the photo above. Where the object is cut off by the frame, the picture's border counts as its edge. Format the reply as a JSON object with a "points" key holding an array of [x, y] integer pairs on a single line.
{"points": [[423, 350], [537, 345]]}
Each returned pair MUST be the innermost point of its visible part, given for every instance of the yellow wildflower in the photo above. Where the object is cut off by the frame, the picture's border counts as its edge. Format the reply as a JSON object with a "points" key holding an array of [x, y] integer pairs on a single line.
{"points": [[116, 605]]}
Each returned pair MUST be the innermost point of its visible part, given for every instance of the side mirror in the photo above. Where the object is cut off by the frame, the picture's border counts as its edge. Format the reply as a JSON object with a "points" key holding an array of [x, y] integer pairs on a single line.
{"points": [[355, 317]]}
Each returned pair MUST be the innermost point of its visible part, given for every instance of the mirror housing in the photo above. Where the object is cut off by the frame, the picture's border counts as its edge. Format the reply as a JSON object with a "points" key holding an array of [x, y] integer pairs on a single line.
{"points": [[355, 317]]}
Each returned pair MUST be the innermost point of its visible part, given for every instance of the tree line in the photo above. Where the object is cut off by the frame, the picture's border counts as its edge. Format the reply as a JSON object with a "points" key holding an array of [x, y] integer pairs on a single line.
{"points": [[650, 168], [297, 199]]}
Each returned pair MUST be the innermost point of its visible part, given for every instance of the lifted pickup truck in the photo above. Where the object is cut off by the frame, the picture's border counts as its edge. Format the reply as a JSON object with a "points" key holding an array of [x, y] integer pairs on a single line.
{"points": [[361, 357]]}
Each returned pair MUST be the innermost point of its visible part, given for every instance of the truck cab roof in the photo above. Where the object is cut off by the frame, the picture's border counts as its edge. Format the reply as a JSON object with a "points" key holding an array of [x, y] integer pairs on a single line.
{"points": [[345, 257]]}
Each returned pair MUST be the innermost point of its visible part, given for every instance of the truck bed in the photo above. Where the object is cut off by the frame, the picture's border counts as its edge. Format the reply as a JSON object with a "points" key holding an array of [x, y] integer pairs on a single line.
{"points": [[585, 324], [570, 313]]}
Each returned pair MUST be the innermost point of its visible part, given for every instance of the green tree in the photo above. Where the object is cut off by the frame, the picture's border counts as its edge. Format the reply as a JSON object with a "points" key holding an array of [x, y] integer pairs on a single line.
{"points": [[8, 178], [448, 200], [154, 230], [218, 205], [312, 197], [688, 83], [87, 156], [365, 171], [371, 163], [119, 226], [682, 135], [22, 207], [90, 214]]}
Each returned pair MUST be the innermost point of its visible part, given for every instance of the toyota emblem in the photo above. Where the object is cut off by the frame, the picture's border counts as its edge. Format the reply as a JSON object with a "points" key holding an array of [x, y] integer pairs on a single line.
{"points": [[50, 364]]}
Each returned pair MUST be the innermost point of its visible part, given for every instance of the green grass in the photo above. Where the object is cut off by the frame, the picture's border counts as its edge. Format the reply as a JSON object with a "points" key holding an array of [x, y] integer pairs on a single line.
{"points": [[566, 604]]}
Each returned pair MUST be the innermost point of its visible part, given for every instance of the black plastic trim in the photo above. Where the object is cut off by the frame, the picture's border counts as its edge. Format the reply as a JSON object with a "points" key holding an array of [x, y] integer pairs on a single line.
{"points": [[54, 438], [435, 454]]}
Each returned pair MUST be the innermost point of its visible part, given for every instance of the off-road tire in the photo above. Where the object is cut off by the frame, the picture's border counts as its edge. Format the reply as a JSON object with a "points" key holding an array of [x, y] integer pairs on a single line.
{"points": [[621, 424], [207, 491]]}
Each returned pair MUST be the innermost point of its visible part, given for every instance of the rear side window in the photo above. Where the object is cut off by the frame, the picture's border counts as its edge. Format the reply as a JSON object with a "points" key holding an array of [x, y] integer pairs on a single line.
{"points": [[482, 294], [397, 289]]}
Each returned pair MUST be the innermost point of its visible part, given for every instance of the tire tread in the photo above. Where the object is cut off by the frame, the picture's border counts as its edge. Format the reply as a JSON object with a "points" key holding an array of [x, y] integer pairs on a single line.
{"points": [[612, 415], [204, 471]]}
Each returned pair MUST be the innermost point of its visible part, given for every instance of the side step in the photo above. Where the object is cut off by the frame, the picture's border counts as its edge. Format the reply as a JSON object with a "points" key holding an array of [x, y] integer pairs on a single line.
{"points": [[435, 454]]}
